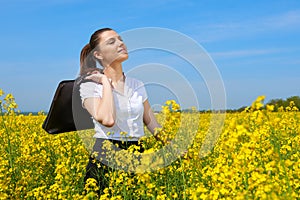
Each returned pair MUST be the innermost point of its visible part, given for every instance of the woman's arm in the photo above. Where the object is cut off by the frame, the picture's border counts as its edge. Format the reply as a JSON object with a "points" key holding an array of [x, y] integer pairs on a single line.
{"points": [[102, 109], [149, 118]]}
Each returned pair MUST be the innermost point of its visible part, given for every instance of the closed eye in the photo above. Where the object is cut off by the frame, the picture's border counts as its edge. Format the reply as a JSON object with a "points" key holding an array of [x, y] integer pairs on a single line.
{"points": [[111, 41]]}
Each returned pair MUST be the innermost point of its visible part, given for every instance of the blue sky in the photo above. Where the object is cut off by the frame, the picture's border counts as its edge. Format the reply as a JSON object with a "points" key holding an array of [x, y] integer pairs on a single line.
{"points": [[254, 44]]}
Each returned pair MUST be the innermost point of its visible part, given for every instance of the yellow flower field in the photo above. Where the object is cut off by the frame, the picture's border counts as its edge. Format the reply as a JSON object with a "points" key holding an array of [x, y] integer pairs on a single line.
{"points": [[256, 156]]}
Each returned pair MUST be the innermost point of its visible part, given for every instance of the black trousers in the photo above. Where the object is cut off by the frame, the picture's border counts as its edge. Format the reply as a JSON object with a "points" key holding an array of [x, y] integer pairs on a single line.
{"points": [[97, 169]]}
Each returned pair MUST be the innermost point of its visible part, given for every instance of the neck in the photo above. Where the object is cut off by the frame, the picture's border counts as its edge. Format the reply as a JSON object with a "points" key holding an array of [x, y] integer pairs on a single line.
{"points": [[115, 73]]}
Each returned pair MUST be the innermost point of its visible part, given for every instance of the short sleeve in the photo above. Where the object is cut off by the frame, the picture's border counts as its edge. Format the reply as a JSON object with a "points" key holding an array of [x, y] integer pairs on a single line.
{"points": [[142, 91], [90, 89]]}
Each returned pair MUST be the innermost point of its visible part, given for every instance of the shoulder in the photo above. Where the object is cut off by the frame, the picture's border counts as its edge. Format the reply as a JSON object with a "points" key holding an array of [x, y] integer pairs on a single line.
{"points": [[134, 82]]}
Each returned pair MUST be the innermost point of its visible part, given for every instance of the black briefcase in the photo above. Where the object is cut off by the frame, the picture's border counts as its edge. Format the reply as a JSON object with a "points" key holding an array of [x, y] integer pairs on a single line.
{"points": [[66, 112]]}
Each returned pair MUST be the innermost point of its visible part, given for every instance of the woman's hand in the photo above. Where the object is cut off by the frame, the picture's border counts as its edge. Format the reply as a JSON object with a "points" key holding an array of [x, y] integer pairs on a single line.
{"points": [[98, 77]]}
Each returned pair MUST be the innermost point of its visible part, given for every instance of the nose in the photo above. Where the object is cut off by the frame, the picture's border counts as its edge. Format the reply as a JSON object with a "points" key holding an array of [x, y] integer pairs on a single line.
{"points": [[121, 43]]}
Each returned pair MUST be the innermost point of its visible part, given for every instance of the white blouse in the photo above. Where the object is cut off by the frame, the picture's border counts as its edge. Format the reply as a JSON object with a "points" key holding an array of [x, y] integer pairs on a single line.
{"points": [[129, 110]]}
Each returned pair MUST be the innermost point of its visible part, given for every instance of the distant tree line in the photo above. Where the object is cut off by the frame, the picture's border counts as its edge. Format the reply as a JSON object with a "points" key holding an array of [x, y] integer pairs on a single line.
{"points": [[285, 103], [277, 103]]}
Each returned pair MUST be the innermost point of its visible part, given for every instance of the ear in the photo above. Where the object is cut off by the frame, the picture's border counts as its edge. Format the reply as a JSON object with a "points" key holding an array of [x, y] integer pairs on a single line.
{"points": [[98, 55]]}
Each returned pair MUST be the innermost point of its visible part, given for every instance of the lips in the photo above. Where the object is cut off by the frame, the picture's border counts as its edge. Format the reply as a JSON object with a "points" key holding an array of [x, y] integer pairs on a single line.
{"points": [[122, 51]]}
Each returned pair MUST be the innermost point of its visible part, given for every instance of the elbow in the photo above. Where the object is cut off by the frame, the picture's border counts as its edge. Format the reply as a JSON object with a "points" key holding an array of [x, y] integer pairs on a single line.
{"points": [[107, 121]]}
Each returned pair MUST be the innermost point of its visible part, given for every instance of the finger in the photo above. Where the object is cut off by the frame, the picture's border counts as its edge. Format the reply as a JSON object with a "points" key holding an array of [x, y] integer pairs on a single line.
{"points": [[95, 72], [87, 77], [90, 77]]}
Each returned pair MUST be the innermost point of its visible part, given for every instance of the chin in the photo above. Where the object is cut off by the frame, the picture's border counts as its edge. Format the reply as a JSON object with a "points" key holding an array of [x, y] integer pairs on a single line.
{"points": [[122, 57]]}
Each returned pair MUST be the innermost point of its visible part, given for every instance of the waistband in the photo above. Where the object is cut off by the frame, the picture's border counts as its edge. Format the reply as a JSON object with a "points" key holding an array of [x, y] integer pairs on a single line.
{"points": [[119, 143]]}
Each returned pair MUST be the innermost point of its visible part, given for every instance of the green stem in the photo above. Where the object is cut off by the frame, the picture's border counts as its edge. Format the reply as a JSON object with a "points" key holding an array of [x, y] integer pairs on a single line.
{"points": [[9, 148]]}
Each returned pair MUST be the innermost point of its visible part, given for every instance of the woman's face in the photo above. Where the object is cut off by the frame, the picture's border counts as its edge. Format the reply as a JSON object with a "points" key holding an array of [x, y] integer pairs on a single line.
{"points": [[111, 48]]}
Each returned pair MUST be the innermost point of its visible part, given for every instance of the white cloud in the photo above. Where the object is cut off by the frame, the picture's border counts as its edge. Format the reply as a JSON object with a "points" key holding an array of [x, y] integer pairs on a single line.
{"points": [[243, 53], [289, 19], [235, 28]]}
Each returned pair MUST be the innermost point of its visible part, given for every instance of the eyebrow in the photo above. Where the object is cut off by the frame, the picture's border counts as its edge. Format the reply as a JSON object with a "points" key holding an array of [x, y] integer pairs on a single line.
{"points": [[113, 38], [110, 39]]}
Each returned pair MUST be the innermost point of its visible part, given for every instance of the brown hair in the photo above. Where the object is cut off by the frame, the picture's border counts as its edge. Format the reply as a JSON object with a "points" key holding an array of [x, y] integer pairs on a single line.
{"points": [[88, 62]]}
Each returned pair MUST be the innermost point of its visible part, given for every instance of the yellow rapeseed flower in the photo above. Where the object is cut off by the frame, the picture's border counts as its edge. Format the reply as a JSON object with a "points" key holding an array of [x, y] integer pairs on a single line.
{"points": [[256, 157]]}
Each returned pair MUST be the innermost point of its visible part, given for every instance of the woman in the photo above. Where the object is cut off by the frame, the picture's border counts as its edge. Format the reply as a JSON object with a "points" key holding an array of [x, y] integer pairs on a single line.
{"points": [[116, 103]]}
